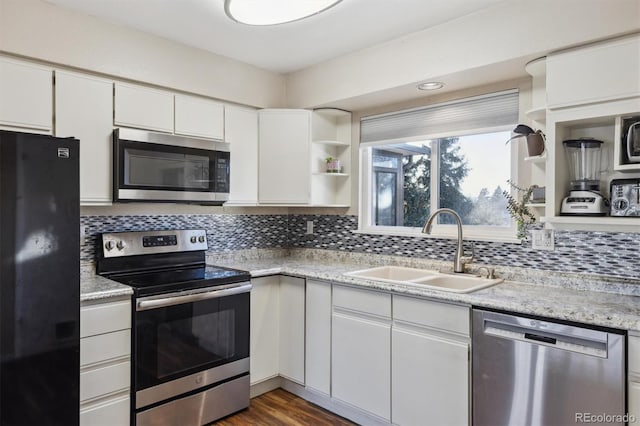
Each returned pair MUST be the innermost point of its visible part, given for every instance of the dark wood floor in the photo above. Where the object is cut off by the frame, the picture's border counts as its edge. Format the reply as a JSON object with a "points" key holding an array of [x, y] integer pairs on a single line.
{"points": [[280, 407]]}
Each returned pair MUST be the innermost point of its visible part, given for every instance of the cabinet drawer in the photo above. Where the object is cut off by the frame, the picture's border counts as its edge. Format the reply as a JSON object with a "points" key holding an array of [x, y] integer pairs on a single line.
{"points": [[441, 316], [105, 380], [634, 355], [111, 413], [366, 301], [105, 318], [105, 347]]}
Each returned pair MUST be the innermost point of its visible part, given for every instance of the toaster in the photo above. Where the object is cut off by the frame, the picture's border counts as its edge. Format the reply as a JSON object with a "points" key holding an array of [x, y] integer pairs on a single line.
{"points": [[625, 197]]}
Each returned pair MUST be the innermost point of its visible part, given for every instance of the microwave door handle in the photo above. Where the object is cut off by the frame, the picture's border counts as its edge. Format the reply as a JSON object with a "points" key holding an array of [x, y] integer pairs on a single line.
{"points": [[629, 139], [144, 305]]}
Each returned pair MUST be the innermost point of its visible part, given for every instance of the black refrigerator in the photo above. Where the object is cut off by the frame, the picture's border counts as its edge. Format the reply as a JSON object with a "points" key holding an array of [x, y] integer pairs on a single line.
{"points": [[39, 280]]}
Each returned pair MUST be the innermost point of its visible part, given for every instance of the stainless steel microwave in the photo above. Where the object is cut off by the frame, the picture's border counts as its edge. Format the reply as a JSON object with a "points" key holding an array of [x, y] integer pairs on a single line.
{"points": [[155, 167]]}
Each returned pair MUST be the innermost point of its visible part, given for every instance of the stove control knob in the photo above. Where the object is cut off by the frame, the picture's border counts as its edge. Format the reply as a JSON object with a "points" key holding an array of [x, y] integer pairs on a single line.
{"points": [[193, 239], [109, 245], [121, 245], [201, 238]]}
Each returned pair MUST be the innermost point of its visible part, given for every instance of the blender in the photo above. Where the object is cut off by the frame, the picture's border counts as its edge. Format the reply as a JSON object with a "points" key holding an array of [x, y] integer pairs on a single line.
{"points": [[584, 199]]}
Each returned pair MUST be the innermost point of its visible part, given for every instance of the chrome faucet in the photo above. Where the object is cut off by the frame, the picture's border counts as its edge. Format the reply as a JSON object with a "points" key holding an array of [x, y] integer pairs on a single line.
{"points": [[458, 260]]}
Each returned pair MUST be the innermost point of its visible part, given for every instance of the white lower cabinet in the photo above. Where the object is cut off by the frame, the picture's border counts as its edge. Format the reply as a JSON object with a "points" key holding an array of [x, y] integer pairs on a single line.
{"points": [[361, 350], [633, 394], [430, 363], [105, 363], [371, 356], [264, 336], [291, 325], [318, 337], [277, 328]]}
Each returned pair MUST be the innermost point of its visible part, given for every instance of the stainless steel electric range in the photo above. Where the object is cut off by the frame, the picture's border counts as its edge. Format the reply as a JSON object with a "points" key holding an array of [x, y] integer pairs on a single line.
{"points": [[190, 326]]}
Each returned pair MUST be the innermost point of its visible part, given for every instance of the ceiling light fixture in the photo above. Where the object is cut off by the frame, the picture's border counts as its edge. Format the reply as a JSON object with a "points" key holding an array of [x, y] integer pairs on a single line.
{"points": [[273, 12], [431, 85]]}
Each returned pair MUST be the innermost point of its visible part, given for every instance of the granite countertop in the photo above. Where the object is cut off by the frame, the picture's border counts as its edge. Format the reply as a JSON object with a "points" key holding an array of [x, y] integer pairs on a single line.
{"points": [[95, 287], [571, 303], [605, 301]]}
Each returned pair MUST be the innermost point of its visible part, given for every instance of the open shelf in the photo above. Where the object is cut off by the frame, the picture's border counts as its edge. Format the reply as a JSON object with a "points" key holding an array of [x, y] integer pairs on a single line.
{"points": [[593, 223], [331, 142], [536, 205], [537, 158], [538, 114], [331, 174]]}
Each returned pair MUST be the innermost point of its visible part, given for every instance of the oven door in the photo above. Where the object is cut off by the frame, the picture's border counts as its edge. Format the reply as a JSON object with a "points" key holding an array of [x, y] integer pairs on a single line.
{"points": [[153, 167], [185, 342]]}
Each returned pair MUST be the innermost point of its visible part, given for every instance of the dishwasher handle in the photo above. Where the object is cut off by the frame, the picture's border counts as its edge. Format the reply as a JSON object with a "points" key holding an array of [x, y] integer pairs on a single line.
{"points": [[596, 346], [539, 338]]}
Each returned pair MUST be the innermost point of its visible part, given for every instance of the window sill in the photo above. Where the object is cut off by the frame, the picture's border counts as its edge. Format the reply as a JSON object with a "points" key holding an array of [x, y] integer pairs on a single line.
{"points": [[418, 234]]}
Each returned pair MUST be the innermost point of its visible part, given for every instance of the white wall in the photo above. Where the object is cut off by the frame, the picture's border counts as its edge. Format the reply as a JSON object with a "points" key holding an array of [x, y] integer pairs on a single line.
{"points": [[496, 38], [39, 30]]}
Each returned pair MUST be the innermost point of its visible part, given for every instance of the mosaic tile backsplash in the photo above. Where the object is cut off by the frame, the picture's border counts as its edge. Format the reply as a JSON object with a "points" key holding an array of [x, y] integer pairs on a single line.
{"points": [[575, 251]]}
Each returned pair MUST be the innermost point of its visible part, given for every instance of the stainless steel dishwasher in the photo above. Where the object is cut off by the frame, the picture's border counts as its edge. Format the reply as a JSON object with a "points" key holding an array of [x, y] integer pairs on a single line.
{"points": [[536, 372]]}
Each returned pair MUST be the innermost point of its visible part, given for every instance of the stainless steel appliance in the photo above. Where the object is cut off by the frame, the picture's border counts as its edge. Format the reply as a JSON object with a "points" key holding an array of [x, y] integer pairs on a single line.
{"points": [[625, 197], [630, 134], [529, 371], [584, 199], [190, 327], [167, 168], [39, 280]]}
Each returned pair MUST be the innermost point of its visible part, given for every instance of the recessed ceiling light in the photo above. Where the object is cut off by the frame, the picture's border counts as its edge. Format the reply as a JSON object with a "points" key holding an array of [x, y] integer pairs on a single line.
{"points": [[431, 85], [273, 12]]}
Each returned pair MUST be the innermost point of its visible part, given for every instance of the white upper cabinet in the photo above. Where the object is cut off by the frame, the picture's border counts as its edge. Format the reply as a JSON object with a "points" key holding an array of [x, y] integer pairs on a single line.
{"points": [[199, 117], [84, 109], [26, 96], [283, 170], [143, 108], [295, 146], [241, 132], [601, 72]]}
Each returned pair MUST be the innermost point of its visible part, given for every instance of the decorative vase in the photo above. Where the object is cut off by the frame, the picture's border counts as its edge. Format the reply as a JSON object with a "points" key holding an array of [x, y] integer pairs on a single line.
{"points": [[535, 143]]}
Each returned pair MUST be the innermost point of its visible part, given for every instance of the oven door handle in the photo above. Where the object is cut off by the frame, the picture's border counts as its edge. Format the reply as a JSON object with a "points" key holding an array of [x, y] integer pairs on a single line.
{"points": [[143, 305]]}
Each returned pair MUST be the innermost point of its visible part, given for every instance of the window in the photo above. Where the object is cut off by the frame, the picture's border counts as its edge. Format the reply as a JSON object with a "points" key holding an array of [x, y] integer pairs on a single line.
{"points": [[416, 161]]}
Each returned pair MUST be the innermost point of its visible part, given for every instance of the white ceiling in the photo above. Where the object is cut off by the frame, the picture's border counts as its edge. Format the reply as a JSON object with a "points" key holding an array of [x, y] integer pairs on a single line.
{"points": [[350, 26]]}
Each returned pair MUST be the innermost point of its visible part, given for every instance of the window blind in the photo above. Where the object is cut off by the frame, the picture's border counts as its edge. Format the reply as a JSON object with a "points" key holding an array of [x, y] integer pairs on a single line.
{"points": [[450, 118]]}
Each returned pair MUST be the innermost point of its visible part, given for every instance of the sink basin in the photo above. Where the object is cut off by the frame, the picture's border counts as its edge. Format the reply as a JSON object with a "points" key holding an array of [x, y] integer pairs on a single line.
{"points": [[393, 273], [456, 283]]}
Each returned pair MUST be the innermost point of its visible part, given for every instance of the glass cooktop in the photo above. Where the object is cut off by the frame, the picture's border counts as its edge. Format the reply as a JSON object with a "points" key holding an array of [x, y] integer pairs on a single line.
{"points": [[187, 278]]}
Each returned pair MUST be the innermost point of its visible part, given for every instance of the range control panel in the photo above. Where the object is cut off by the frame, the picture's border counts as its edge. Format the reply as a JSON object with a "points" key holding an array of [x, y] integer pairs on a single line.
{"points": [[117, 244]]}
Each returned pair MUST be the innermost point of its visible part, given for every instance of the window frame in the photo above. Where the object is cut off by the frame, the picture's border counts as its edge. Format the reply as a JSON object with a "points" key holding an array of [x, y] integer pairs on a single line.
{"points": [[449, 231]]}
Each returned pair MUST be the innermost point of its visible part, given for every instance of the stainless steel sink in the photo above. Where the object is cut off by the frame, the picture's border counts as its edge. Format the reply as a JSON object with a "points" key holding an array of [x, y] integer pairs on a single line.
{"points": [[456, 283]]}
